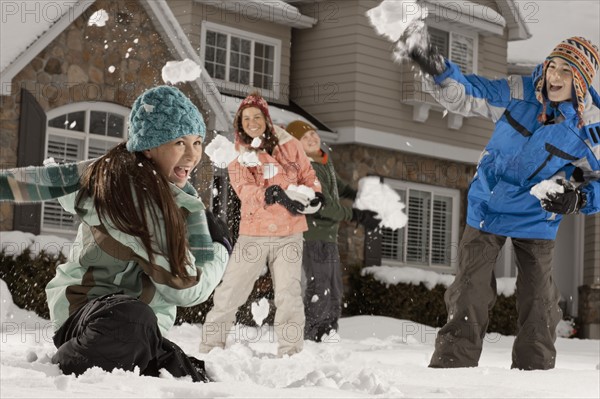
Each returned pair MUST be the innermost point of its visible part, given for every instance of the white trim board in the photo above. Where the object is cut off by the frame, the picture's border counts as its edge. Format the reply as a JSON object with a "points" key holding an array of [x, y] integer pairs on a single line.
{"points": [[398, 142]]}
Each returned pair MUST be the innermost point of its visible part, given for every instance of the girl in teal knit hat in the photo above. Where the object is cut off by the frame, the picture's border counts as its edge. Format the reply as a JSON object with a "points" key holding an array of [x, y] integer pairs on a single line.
{"points": [[145, 245]]}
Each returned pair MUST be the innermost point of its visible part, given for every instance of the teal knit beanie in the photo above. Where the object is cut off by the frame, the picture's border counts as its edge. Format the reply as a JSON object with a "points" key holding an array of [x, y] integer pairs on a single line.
{"points": [[160, 115]]}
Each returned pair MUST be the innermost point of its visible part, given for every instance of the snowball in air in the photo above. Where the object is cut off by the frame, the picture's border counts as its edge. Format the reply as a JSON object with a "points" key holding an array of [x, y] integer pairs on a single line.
{"points": [[180, 71], [98, 18], [392, 17], [256, 142], [378, 197], [221, 151]]}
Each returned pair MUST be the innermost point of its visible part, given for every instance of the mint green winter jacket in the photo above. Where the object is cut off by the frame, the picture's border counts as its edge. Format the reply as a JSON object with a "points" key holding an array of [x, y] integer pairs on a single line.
{"points": [[103, 260]]}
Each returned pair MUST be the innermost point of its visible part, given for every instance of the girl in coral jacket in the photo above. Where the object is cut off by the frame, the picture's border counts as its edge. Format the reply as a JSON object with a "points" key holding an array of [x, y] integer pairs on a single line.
{"points": [[271, 226]]}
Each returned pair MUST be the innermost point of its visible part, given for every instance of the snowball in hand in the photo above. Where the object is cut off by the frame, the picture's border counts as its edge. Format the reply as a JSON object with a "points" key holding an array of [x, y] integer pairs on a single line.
{"points": [[545, 187], [180, 71], [221, 151], [307, 191], [382, 199], [392, 17]]}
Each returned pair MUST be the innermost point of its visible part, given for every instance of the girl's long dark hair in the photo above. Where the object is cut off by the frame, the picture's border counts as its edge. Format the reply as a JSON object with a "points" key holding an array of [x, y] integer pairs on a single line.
{"points": [[126, 188]]}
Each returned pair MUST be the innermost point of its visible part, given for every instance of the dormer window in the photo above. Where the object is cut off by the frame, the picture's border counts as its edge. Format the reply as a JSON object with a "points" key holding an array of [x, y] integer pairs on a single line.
{"points": [[240, 61]]}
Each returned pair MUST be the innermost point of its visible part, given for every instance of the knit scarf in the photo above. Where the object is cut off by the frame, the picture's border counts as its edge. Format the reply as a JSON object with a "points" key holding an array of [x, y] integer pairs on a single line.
{"points": [[43, 183]]}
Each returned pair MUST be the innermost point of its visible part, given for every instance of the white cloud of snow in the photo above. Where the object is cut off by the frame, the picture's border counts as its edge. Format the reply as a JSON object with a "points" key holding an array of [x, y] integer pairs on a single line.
{"points": [[382, 199], [180, 71]]}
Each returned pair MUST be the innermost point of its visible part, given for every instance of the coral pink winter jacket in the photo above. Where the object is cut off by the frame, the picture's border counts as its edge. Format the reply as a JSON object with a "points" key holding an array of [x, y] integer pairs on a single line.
{"points": [[292, 167]]}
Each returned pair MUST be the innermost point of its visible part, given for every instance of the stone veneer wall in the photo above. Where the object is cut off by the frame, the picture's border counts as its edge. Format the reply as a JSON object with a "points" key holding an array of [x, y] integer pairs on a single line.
{"points": [[353, 162], [75, 67]]}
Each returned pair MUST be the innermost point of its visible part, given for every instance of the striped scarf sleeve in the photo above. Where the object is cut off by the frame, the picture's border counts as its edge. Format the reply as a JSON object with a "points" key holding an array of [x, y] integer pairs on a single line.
{"points": [[40, 183], [201, 244], [199, 238]]}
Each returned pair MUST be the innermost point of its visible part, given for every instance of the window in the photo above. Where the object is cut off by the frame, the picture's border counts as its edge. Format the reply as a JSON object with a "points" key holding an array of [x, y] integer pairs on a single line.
{"points": [[77, 132], [457, 47], [430, 237], [240, 60]]}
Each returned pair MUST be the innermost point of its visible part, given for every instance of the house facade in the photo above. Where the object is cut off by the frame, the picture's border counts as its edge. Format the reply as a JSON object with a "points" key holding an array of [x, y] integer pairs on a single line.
{"points": [[69, 97]]}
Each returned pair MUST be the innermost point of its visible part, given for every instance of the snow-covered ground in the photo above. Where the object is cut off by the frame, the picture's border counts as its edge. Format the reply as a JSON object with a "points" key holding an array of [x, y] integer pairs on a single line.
{"points": [[371, 357]]}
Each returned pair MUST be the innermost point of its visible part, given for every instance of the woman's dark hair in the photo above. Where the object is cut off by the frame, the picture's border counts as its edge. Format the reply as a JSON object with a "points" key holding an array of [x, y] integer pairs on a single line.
{"points": [[126, 189]]}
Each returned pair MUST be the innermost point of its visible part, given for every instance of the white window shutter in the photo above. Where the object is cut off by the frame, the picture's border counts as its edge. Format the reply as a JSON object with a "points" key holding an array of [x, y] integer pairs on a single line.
{"points": [[461, 52]]}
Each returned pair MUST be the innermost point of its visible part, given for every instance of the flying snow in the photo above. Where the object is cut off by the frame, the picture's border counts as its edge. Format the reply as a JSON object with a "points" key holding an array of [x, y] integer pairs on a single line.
{"points": [[98, 18], [382, 199], [180, 71], [221, 151]]}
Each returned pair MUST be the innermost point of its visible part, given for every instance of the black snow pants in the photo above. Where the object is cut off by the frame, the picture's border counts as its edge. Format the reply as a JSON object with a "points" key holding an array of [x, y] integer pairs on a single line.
{"points": [[473, 293], [118, 331], [324, 288]]}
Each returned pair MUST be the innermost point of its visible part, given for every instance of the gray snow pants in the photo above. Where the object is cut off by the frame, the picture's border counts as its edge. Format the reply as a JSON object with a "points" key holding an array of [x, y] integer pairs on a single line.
{"points": [[324, 288], [473, 294], [283, 256]]}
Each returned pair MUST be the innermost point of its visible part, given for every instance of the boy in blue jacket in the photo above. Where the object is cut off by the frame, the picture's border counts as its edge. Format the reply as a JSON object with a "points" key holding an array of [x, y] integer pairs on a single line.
{"points": [[545, 130]]}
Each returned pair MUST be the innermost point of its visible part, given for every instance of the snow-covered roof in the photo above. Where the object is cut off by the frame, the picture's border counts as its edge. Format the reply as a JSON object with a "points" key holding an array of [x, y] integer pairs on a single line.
{"points": [[468, 14], [27, 28], [277, 11]]}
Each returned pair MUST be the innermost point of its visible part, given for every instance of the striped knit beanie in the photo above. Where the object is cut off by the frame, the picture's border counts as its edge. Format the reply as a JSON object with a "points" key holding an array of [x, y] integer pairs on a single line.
{"points": [[584, 58]]}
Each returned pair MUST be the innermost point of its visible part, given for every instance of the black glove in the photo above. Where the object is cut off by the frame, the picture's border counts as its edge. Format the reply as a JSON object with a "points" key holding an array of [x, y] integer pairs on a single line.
{"points": [[314, 205], [428, 59], [424, 53], [366, 218], [569, 201], [275, 194], [319, 199], [219, 231]]}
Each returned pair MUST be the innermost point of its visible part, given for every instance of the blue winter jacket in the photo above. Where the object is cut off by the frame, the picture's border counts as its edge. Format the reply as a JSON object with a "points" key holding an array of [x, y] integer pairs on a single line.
{"points": [[522, 152]]}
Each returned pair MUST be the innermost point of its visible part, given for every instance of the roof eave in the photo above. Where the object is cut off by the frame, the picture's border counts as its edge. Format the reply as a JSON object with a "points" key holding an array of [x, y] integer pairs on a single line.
{"points": [[8, 73], [515, 24]]}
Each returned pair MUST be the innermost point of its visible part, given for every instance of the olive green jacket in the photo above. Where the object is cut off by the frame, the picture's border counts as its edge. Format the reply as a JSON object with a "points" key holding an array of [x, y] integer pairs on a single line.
{"points": [[324, 225]]}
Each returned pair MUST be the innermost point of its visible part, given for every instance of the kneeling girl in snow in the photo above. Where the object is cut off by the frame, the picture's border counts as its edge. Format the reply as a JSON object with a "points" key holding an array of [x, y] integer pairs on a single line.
{"points": [[145, 244], [271, 226]]}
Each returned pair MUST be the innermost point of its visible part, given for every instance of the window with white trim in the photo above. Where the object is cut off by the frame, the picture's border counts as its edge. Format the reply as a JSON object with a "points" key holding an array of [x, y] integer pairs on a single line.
{"points": [[241, 60], [430, 237], [77, 132], [459, 48]]}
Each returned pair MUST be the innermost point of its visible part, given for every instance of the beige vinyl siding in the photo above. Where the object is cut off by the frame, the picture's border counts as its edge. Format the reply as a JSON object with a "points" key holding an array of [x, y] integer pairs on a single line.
{"points": [[591, 257], [345, 52], [191, 14]]}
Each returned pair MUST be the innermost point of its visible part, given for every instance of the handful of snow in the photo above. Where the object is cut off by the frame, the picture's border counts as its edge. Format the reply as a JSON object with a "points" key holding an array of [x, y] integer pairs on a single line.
{"points": [[180, 71], [545, 187], [221, 151], [401, 21], [381, 198], [304, 195], [392, 17]]}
